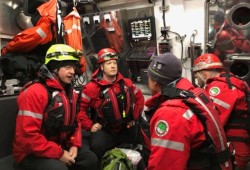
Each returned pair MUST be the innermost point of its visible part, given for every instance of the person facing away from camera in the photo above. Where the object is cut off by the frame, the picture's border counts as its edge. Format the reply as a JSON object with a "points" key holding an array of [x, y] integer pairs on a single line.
{"points": [[230, 96], [181, 128]]}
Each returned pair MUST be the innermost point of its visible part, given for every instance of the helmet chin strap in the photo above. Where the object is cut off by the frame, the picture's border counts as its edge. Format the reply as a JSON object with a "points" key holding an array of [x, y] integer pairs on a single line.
{"points": [[199, 75]]}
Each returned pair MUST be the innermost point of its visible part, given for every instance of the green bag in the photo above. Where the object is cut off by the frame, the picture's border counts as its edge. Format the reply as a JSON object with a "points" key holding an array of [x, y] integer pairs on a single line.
{"points": [[115, 159]]}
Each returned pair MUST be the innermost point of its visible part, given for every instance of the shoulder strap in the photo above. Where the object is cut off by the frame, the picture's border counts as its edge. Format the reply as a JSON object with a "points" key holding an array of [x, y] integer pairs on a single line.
{"points": [[227, 76], [42, 82], [173, 92]]}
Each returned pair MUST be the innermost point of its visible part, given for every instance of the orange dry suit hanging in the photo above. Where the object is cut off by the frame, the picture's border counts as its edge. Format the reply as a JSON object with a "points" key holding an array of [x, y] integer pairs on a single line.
{"points": [[113, 33], [73, 35], [30, 38]]}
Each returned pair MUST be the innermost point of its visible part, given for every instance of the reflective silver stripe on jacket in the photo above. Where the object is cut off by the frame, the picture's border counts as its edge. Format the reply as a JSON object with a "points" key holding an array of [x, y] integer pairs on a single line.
{"points": [[220, 102], [105, 91], [54, 93], [74, 27], [85, 96], [41, 33], [188, 114], [167, 144], [29, 113]]}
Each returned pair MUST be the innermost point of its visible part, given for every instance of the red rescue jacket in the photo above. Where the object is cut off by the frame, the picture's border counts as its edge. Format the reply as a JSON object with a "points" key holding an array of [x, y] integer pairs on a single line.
{"points": [[177, 134], [31, 131], [93, 98], [231, 104]]}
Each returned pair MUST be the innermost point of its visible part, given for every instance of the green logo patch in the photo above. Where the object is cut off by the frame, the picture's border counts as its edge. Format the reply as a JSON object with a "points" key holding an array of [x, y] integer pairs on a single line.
{"points": [[214, 91], [161, 128]]}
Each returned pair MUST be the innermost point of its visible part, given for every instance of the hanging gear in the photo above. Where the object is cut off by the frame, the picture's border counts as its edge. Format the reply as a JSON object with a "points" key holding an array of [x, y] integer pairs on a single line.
{"points": [[207, 61], [73, 36], [106, 54], [113, 33], [41, 34]]}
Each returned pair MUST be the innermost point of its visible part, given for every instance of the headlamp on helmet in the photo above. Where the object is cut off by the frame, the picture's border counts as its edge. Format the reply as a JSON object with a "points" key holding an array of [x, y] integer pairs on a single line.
{"points": [[106, 54], [62, 52]]}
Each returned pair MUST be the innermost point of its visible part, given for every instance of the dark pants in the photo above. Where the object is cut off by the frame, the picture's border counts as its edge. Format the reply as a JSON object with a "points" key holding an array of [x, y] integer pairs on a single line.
{"points": [[103, 140], [85, 160]]}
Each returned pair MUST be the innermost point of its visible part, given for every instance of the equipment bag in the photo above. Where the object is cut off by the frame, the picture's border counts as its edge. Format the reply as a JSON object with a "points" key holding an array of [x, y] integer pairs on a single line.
{"points": [[21, 66], [115, 159]]}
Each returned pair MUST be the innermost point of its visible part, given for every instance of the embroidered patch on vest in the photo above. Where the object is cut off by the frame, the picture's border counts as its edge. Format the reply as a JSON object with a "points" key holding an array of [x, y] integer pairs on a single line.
{"points": [[161, 128], [214, 91]]}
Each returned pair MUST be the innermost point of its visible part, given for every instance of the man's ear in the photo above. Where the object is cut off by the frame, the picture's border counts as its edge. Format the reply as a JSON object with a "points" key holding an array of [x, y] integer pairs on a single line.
{"points": [[157, 85]]}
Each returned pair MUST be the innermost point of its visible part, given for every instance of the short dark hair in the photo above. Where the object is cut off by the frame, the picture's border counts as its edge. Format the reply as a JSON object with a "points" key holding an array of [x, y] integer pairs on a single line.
{"points": [[53, 64]]}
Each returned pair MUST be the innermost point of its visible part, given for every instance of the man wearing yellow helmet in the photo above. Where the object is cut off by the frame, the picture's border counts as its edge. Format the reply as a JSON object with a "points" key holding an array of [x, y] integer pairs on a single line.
{"points": [[48, 135]]}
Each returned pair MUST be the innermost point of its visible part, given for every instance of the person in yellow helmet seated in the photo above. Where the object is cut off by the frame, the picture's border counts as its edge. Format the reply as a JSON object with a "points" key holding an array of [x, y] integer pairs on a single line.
{"points": [[48, 135]]}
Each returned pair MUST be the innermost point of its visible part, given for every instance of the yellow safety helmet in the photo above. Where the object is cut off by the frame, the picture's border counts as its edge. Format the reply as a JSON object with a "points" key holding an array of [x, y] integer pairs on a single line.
{"points": [[61, 52]]}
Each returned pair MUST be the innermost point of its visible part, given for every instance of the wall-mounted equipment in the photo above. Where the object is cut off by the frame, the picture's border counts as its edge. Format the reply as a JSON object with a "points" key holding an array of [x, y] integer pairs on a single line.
{"points": [[164, 47], [239, 65], [107, 17], [227, 28], [239, 16], [142, 35], [142, 28], [86, 20], [228, 35], [96, 19]]}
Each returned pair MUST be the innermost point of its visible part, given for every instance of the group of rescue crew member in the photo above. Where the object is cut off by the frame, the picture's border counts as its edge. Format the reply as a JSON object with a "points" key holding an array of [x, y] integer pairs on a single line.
{"points": [[181, 128]]}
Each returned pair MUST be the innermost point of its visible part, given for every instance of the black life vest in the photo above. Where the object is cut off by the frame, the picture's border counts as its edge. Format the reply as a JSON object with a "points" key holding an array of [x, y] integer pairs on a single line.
{"points": [[116, 108], [214, 151], [53, 124]]}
